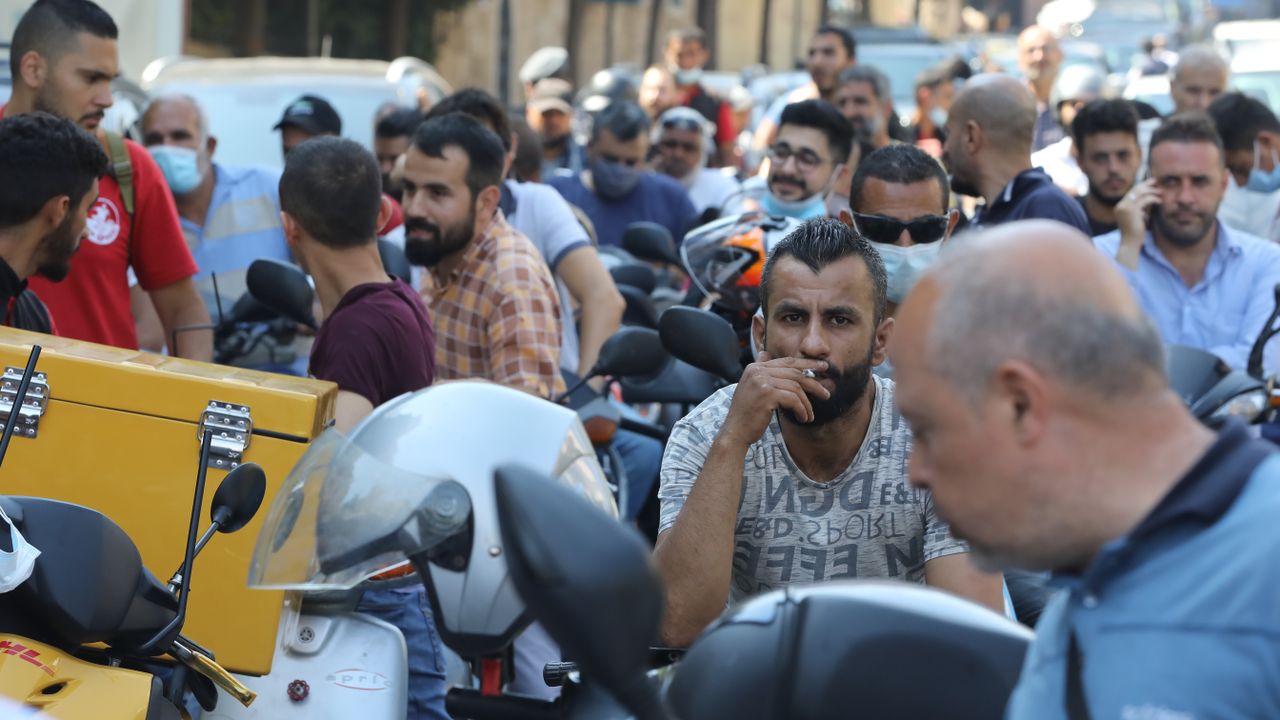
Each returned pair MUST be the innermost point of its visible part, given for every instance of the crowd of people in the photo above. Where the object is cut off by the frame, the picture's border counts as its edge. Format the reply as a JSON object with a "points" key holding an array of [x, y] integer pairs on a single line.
{"points": [[959, 378]]}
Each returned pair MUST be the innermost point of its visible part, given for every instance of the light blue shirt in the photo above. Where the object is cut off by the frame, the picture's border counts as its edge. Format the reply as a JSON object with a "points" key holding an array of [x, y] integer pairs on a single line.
{"points": [[242, 225], [1225, 311]]}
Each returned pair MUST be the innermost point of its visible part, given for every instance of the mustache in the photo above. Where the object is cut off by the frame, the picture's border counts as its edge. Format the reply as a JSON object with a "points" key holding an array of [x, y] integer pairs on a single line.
{"points": [[781, 178], [417, 224]]}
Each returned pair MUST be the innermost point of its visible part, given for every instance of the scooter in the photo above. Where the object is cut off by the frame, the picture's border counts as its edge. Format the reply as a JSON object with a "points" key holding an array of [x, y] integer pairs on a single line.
{"points": [[89, 586]]}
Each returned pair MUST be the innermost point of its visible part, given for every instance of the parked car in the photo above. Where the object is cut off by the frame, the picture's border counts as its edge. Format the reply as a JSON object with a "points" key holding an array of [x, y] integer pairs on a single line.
{"points": [[1233, 38], [245, 97]]}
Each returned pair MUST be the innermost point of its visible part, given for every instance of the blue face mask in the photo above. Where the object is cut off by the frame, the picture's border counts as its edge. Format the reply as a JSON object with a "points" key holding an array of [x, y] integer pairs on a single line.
{"points": [[180, 166], [613, 181], [814, 206], [1264, 182]]}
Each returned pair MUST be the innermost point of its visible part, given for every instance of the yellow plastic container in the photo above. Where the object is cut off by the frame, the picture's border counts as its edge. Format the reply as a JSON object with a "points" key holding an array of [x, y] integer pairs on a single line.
{"points": [[119, 435]]}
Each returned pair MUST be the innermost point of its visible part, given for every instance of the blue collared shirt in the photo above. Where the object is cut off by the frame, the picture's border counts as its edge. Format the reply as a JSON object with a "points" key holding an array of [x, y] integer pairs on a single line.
{"points": [[1031, 195], [1225, 311], [242, 225], [1181, 617]]}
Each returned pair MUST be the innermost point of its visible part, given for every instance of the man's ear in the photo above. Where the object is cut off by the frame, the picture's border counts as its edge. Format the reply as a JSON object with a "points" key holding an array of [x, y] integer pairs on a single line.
{"points": [[973, 135], [881, 347], [953, 219], [55, 211], [757, 331], [1021, 397], [210, 145], [385, 211], [33, 69], [487, 201], [846, 217], [292, 233]]}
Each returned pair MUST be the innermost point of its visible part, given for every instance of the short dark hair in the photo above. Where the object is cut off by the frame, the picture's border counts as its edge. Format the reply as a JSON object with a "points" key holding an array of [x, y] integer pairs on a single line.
{"points": [[900, 164], [400, 122], [50, 26], [623, 119], [1192, 126], [43, 157], [870, 75], [846, 37], [528, 162], [818, 243], [485, 154], [332, 187], [823, 116], [1104, 116], [480, 105], [1240, 118], [689, 34]]}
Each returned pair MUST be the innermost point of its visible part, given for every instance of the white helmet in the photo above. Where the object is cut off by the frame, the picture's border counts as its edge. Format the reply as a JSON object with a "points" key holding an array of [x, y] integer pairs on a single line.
{"points": [[415, 478]]}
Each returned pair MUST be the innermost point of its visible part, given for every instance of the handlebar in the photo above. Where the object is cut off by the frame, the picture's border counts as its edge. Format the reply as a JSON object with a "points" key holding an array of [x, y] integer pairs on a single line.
{"points": [[468, 703], [207, 667]]}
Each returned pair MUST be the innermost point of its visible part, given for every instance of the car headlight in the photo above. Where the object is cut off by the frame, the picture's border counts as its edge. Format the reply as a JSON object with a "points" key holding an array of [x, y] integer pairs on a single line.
{"points": [[1246, 406]]}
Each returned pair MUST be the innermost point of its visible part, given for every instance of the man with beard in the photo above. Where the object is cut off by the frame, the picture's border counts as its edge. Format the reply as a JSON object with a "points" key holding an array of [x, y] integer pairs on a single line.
{"points": [[860, 98], [805, 163], [1039, 59], [49, 169], [62, 60], [550, 113], [1105, 136], [988, 151], [1202, 283], [831, 51], [681, 141], [491, 295], [798, 473], [1046, 430]]}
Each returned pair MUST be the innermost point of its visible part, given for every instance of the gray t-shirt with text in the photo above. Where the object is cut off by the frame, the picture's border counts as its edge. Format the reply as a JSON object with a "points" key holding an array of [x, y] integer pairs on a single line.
{"points": [[868, 522]]}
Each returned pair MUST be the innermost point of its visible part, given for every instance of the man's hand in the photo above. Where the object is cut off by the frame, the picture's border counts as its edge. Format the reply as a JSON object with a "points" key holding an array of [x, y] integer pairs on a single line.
{"points": [[1132, 213], [767, 386]]}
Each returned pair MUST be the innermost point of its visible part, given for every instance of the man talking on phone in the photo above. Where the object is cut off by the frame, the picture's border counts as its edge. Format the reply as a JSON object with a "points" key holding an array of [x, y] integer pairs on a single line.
{"points": [[1202, 283]]}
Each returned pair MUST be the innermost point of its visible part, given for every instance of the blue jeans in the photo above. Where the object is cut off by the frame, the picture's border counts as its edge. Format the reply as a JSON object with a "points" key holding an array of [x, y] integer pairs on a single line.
{"points": [[642, 458], [408, 609]]}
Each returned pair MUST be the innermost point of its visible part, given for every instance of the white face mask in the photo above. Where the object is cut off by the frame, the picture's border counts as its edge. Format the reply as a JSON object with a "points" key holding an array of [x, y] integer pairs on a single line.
{"points": [[16, 566], [905, 265]]}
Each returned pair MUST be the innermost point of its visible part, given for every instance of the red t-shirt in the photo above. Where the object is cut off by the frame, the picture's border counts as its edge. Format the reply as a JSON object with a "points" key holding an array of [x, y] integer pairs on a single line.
{"points": [[92, 303]]}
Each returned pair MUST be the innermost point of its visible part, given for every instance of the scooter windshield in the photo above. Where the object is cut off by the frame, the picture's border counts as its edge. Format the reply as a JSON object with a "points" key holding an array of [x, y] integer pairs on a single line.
{"points": [[343, 516]]}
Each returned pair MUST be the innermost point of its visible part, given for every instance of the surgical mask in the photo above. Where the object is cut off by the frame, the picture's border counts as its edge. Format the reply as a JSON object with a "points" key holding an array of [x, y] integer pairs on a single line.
{"points": [[1263, 182], [180, 166], [938, 117], [905, 265], [814, 206], [613, 181], [685, 78], [16, 566]]}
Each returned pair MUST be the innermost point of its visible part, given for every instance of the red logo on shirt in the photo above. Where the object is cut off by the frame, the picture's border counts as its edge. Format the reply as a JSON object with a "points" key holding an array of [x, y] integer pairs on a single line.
{"points": [[104, 222]]}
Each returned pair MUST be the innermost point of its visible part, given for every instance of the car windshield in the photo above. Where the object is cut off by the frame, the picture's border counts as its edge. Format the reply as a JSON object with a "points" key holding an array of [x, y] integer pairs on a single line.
{"points": [[1262, 85], [242, 115]]}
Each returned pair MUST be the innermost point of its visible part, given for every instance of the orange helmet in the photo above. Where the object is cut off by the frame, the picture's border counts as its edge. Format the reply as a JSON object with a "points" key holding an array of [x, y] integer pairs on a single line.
{"points": [[725, 258]]}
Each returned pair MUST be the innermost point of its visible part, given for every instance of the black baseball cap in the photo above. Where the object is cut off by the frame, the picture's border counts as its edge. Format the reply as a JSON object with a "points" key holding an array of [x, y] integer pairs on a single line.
{"points": [[313, 114]]}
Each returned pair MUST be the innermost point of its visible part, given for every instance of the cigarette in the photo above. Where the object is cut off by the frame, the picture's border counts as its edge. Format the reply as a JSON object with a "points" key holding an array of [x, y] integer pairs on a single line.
{"points": [[809, 374]]}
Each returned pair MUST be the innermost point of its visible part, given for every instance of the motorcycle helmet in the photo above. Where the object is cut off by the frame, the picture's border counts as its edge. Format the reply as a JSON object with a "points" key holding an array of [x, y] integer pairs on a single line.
{"points": [[1077, 82], [864, 648], [725, 258], [415, 478]]}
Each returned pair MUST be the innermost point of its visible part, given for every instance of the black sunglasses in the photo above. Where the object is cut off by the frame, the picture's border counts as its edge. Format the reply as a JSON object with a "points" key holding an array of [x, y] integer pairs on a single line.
{"points": [[887, 230]]}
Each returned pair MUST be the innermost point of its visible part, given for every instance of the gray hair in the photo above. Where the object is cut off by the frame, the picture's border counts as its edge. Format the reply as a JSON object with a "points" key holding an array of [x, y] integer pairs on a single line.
{"points": [[202, 120], [869, 74], [985, 317], [1199, 56], [688, 117]]}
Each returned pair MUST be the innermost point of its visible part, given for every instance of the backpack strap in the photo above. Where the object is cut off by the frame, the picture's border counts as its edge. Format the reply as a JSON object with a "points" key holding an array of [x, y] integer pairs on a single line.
{"points": [[122, 166]]}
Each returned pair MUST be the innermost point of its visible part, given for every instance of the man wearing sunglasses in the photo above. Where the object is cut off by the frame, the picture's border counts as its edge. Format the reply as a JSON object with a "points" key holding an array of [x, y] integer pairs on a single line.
{"points": [[804, 163], [681, 142]]}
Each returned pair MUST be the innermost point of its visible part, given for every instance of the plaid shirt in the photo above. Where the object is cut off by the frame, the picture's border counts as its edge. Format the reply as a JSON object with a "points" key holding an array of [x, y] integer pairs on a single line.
{"points": [[496, 315]]}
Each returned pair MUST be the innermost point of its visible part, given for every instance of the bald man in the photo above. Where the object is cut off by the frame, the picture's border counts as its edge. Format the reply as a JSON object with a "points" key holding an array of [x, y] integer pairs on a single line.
{"points": [[988, 152], [1039, 59], [1200, 75], [230, 215], [1050, 440]]}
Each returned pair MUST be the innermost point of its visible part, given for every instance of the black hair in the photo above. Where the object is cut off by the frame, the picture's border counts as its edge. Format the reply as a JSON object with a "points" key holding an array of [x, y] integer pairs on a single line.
{"points": [[49, 27], [1188, 127], [689, 34], [870, 75], [332, 187], [485, 154], [400, 122], [846, 37], [1240, 118], [480, 105], [900, 164], [528, 162], [821, 242], [1104, 116], [823, 116], [623, 119], [43, 157]]}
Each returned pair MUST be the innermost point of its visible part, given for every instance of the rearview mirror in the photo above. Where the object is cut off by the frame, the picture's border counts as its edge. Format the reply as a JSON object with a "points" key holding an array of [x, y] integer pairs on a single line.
{"points": [[650, 241], [283, 288], [631, 351], [585, 577], [394, 261], [702, 339], [636, 275], [238, 497]]}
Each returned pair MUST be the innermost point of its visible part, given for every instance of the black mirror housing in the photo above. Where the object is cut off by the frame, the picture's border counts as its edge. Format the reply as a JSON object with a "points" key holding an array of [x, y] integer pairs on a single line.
{"points": [[238, 497], [702, 339], [283, 288], [631, 351]]}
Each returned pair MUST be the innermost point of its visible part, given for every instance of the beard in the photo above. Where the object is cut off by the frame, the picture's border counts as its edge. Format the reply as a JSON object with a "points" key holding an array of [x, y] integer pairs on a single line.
{"points": [[46, 101], [1180, 235], [962, 186], [779, 177], [1096, 194], [851, 387], [426, 244], [59, 246]]}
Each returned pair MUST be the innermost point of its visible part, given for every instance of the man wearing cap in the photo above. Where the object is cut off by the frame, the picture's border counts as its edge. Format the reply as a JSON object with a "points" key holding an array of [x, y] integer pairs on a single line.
{"points": [[681, 138], [550, 114]]}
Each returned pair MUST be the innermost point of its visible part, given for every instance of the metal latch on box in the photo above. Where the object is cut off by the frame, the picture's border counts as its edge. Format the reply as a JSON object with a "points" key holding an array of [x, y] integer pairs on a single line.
{"points": [[33, 403], [232, 427]]}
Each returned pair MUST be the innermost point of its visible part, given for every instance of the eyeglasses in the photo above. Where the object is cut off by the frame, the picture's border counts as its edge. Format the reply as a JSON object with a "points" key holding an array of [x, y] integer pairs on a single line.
{"points": [[887, 230], [805, 159], [683, 123]]}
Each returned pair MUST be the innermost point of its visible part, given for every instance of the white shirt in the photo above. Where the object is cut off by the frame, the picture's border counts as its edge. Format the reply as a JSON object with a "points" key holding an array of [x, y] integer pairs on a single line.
{"points": [[711, 188], [1058, 161], [1251, 212]]}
